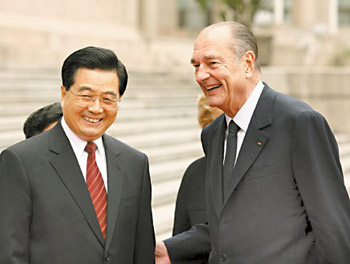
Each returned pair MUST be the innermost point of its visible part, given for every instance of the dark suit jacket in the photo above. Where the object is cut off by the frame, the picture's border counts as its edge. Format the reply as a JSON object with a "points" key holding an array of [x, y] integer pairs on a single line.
{"points": [[47, 215], [288, 203], [190, 204]]}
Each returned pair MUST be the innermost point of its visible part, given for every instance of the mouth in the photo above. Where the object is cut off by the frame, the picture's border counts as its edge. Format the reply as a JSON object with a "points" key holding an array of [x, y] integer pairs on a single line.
{"points": [[92, 120], [211, 88]]}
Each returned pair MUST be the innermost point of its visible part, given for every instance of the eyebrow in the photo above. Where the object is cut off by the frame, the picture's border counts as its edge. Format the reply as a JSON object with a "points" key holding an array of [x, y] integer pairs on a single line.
{"points": [[211, 57], [87, 88], [84, 88]]}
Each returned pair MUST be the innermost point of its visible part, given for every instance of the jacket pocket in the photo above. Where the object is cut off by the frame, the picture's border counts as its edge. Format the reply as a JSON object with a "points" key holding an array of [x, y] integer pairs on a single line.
{"points": [[264, 171], [130, 201]]}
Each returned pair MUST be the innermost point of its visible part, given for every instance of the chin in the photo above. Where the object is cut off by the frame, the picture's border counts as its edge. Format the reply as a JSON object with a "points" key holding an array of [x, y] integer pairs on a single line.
{"points": [[213, 102], [91, 136]]}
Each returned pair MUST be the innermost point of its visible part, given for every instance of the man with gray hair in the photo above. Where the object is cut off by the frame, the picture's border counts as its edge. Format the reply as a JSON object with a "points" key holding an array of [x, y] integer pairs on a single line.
{"points": [[275, 190]]}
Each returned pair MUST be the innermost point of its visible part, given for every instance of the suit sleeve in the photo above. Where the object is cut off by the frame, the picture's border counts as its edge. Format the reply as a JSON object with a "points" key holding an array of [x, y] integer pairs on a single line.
{"points": [[189, 244], [319, 177], [145, 240], [15, 208]]}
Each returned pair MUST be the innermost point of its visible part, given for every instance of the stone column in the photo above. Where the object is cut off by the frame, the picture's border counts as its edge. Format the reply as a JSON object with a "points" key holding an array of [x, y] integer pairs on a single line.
{"points": [[303, 12], [317, 14], [278, 8], [333, 17], [167, 17], [149, 23]]}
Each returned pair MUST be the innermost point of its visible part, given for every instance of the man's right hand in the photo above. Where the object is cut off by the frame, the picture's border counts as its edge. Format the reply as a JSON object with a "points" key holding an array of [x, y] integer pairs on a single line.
{"points": [[161, 253]]}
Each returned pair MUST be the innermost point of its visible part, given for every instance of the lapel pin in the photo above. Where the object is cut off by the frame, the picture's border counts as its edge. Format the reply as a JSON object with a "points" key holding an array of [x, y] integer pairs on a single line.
{"points": [[259, 143]]}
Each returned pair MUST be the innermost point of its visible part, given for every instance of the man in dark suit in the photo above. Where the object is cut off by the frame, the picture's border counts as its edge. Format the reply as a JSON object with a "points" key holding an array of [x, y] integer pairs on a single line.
{"points": [[64, 201], [275, 191]]}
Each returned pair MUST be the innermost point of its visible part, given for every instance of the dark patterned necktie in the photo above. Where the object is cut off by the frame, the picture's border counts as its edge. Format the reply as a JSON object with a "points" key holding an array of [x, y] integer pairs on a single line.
{"points": [[96, 187], [230, 157]]}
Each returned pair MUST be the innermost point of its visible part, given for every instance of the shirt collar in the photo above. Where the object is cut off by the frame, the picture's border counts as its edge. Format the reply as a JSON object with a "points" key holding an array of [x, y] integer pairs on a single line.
{"points": [[77, 143], [244, 115]]}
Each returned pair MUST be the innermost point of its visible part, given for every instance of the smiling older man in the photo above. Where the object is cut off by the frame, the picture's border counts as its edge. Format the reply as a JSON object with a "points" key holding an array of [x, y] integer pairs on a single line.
{"points": [[275, 190], [74, 194]]}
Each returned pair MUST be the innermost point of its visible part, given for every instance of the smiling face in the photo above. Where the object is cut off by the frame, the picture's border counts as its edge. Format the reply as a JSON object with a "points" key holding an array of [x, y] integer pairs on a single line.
{"points": [[89, 123], [221, 77]]}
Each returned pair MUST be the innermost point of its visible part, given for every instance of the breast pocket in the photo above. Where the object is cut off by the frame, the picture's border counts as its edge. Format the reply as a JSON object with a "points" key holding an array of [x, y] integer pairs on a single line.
{"points": [[265, 171], [130, 202]]}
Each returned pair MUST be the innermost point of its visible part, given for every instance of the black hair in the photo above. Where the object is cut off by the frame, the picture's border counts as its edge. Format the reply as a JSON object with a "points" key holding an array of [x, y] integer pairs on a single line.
{"points": [[93, 58], [41, 119]]}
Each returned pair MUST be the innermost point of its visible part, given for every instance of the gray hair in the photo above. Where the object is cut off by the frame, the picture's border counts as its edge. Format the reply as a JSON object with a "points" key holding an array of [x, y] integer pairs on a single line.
{"points": [[243, 40]]}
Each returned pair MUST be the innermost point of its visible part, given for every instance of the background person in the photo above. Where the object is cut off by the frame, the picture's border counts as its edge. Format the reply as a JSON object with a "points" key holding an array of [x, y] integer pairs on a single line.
{"points": [[190, 203], [62, 200], [42, 120], [275, 189]]}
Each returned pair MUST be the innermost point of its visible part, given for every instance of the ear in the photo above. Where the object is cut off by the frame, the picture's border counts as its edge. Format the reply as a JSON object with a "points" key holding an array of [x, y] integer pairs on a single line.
{"points": [[249, 59], [63, 95]]}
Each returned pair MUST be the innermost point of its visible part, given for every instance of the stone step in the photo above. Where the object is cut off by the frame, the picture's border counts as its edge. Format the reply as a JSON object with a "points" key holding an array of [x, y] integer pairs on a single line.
{"points": [[165, 192], [346, 169], [170, 169], [163, 220], [344, 149], [144, 126], [29, 73], [157, 154], [162, 138], [342, 138]]}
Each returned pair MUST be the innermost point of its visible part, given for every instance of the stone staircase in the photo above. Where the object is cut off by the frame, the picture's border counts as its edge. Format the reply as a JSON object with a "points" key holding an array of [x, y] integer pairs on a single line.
{"points": [[158, 115]]}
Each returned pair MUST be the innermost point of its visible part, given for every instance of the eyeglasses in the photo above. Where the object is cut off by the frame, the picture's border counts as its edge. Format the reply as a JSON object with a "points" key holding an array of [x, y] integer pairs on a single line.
{"points": [[86, 99]]}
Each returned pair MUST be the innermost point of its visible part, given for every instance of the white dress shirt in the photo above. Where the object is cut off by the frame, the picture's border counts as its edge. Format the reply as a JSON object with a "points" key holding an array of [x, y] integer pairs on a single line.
{"points": [[78, 146], [243, 117]]}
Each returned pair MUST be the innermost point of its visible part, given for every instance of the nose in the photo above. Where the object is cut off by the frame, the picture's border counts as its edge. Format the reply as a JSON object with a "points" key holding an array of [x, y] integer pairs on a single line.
{"points": [[96, 106], [202, 74]]}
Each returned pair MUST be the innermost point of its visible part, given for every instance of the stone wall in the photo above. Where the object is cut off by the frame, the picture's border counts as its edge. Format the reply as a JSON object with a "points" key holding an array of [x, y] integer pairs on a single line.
{"points": [[326, 89], [42, 33]]}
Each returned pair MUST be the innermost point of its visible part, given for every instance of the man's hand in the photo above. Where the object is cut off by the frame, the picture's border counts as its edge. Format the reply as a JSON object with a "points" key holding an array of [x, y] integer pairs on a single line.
{"points": [[161, 252]]}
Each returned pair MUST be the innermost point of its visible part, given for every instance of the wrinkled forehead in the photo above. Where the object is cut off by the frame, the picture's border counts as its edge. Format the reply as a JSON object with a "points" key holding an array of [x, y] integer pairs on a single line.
{"points": [[212, 43], [215, 33]]}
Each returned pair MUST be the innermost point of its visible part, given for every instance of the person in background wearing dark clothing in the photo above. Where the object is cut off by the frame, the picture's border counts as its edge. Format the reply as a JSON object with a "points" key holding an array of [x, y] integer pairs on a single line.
{"points": [[275, 190], [190, 203], [75, 194], [42, 120]]}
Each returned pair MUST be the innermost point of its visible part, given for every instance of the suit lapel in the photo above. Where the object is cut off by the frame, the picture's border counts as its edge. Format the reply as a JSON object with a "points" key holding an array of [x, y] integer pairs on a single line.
{"points": [[255, 138], [115, 172], [215, 173], [67, 167]]}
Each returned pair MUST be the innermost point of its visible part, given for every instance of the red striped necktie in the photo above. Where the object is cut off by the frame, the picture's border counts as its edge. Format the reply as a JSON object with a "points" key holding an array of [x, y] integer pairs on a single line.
{"points": [[96, 187]]}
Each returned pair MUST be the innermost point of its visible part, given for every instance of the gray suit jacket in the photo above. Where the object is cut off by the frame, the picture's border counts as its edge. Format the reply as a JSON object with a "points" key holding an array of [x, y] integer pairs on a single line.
{"points": [[288, 203], [47, 215]]}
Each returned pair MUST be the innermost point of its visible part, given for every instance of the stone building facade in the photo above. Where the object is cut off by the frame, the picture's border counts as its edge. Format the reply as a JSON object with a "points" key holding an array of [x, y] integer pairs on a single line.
{"points": [[161, 32]]}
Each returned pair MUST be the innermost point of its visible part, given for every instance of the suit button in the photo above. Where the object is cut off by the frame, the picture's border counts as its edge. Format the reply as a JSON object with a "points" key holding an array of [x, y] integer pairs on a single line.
{"points": [[107, 258], [223, 257]]}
